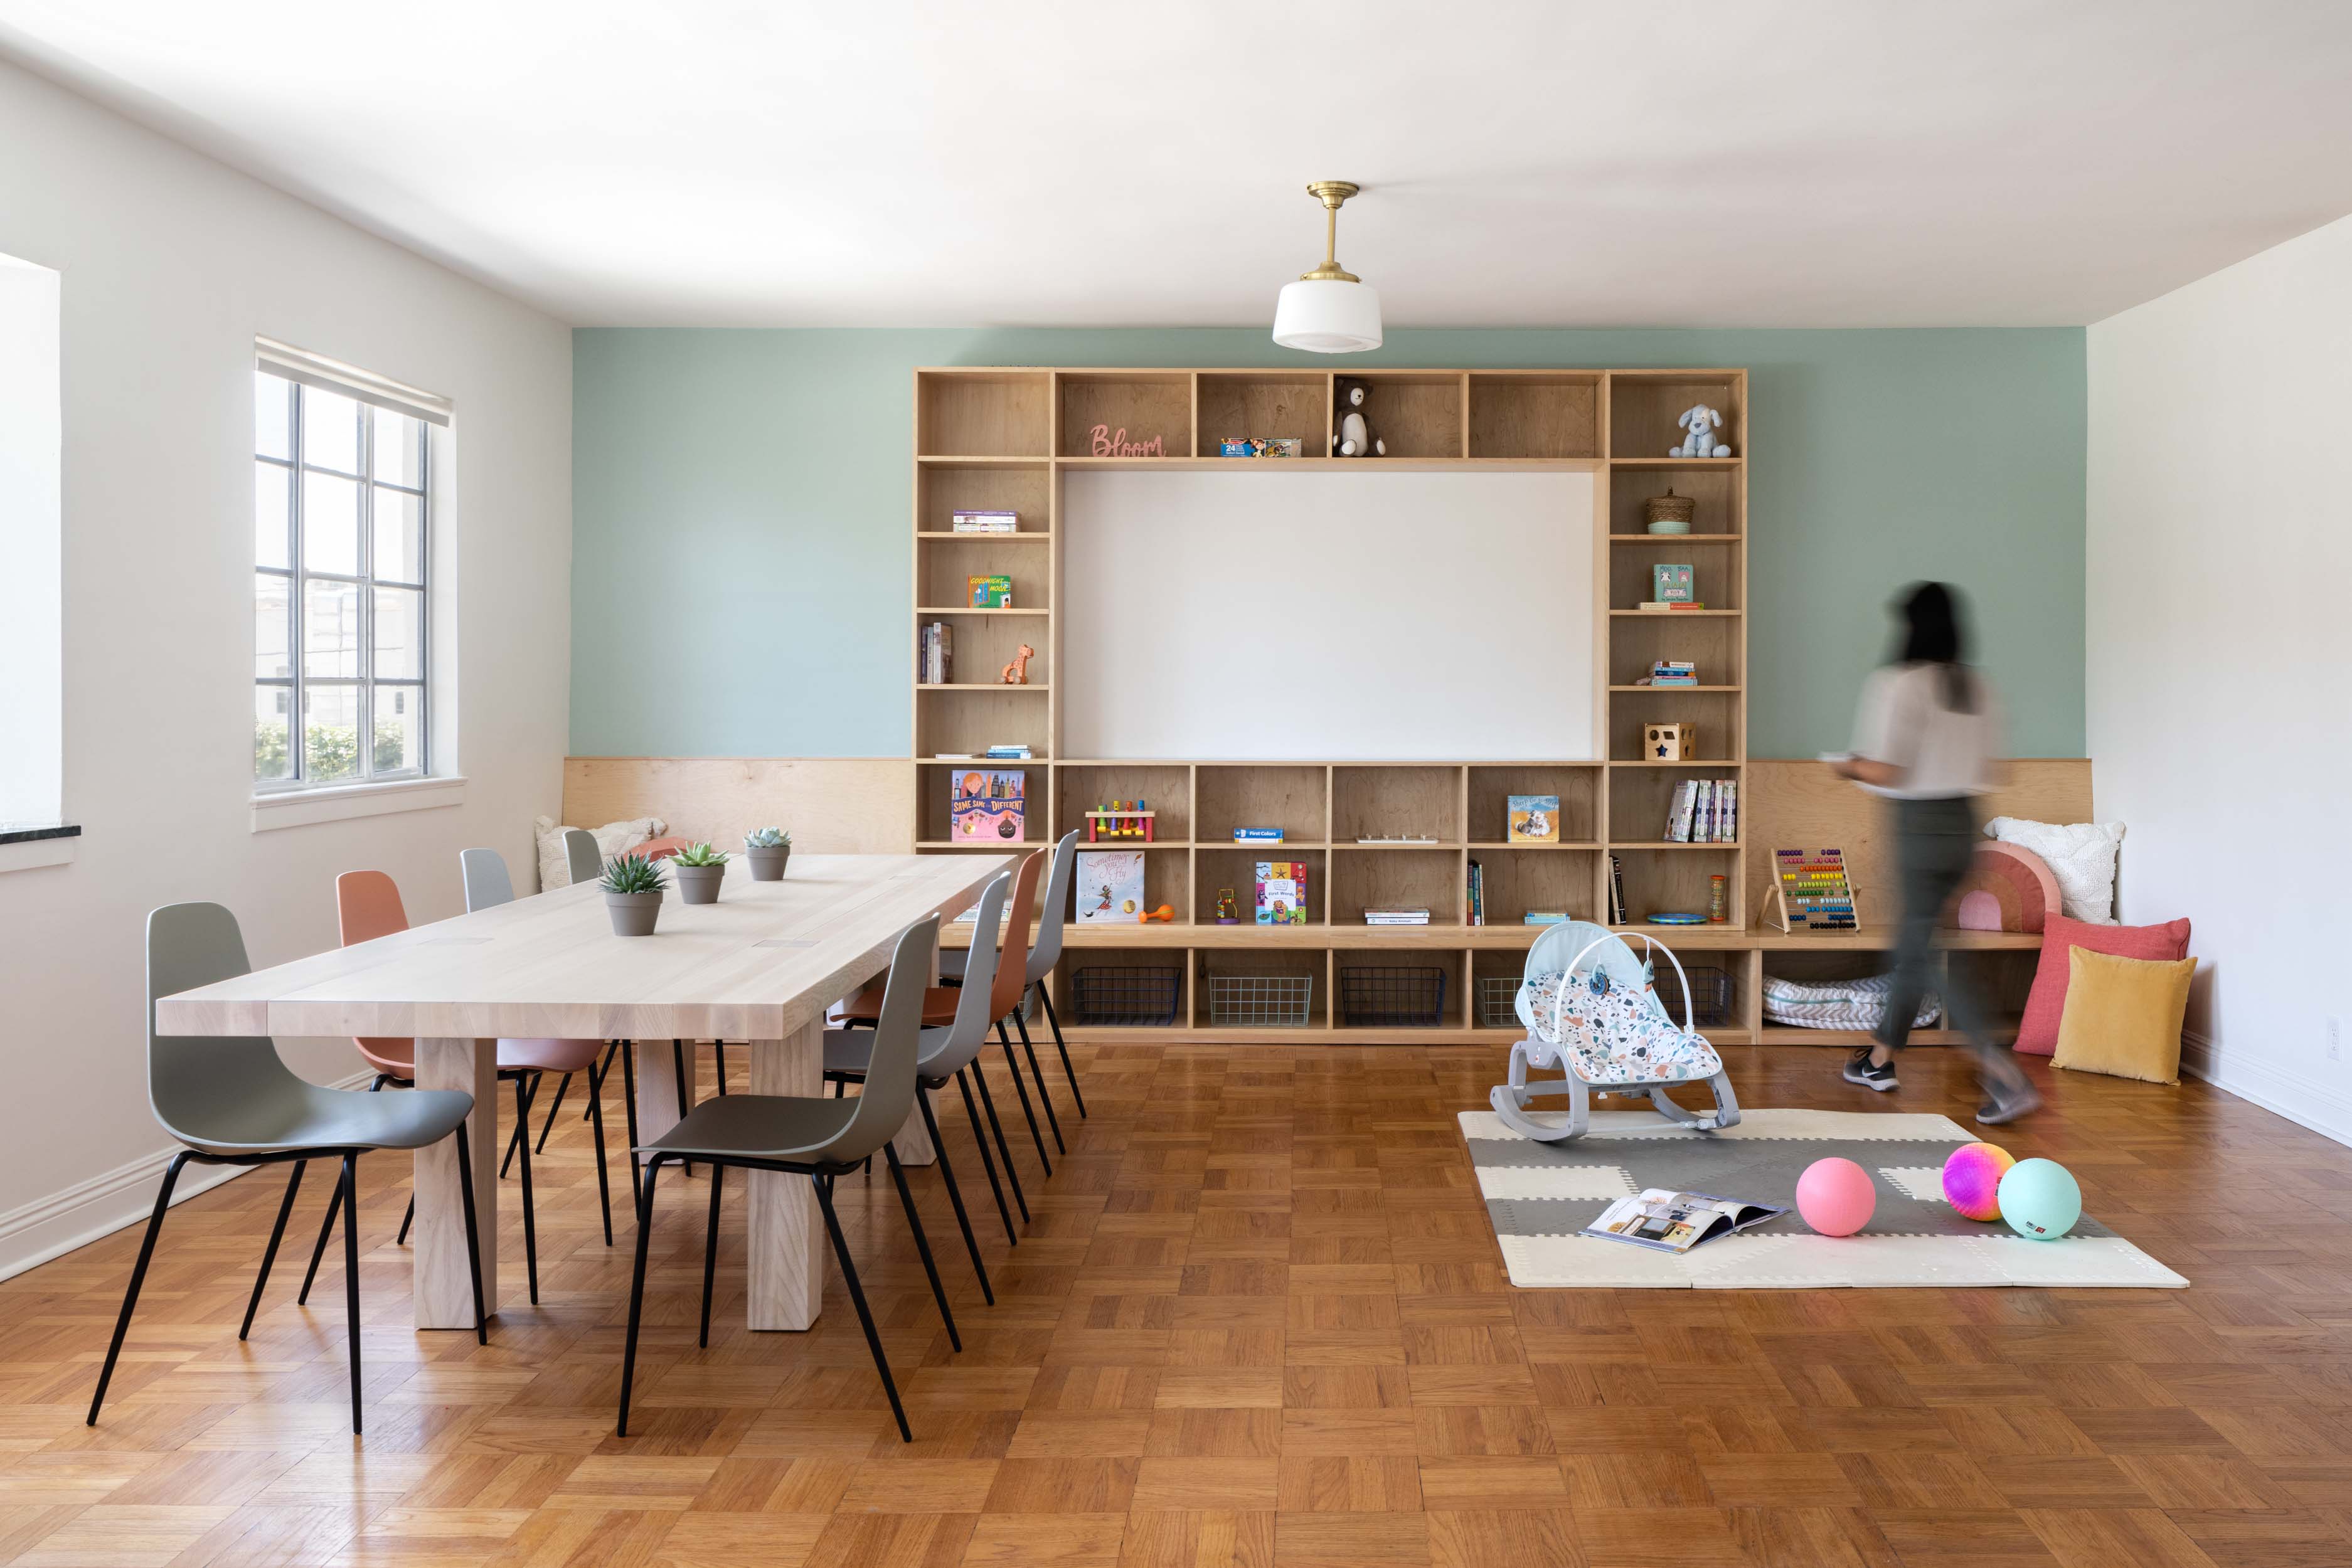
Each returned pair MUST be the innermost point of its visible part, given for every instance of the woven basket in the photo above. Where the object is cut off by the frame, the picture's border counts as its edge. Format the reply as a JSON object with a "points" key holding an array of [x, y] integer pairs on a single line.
{"points": [[1669, 513]]}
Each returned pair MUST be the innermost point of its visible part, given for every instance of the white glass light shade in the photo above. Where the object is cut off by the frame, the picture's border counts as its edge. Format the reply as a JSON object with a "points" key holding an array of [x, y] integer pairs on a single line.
{"points": [[1325, 316]]}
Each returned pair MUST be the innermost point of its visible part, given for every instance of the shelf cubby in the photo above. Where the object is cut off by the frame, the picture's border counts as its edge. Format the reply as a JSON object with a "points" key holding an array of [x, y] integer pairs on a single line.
{"points": [[1167, 879], [1141, 955], [1147, 405], [973, 718], [1527, 879], [1715, 573], [1384, 801], [1415, 413], [944, 568], [983, 413], [1395, 879], [1216, 866], [1492, 786], [1540, 415], [1264, 404], [983, 643], [1717, 713], [1258, 1011], [1713, 643], [1714, 488], [1452, 1012], [1659, 879], [1165, 788], [1640, 795], [934, 788], [1504, 967], [1292, 796], [1644, 404], [943, 489]]}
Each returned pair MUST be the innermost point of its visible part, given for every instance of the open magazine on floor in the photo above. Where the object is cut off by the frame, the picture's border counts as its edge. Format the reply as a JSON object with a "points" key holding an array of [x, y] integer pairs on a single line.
{"points": [[1678, 1221]]}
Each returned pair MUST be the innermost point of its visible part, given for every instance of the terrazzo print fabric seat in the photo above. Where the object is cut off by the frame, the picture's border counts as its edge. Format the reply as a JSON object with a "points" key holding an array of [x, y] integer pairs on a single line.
{"points": [[1612, 1034]]}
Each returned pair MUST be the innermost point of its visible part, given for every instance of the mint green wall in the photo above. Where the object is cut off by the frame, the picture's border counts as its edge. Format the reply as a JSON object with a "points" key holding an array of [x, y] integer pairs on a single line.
{"points": [[741, 503]]}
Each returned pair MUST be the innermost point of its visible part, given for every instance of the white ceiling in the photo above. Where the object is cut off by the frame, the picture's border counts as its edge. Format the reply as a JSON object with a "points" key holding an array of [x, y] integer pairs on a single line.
{"points": [[1770, 162]]}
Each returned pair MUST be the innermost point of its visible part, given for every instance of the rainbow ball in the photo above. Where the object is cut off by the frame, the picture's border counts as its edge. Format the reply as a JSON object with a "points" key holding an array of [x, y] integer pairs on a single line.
{"points": [[1836, 1196], [1972, 1179], [2040, 1199]]}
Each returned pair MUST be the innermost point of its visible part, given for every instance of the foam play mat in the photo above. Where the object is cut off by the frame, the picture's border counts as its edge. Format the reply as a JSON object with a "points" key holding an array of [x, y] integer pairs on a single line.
{"points": [[1539, 1195]]}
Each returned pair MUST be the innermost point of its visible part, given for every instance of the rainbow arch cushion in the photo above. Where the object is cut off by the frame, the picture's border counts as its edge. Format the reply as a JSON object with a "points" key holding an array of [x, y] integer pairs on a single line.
{"points": [[2007, 888]]}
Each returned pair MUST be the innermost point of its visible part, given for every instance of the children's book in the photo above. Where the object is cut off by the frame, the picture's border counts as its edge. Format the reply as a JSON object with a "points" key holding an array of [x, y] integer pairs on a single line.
{"points": [[993, 592], [986, 806], [1282, 893], [1111, 886], [1666, 1221], [1534, 818], [1671, 584]]}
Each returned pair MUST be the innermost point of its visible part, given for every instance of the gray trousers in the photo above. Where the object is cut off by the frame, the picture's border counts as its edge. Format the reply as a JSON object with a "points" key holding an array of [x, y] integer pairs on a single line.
{"points": [[1934, 841]]}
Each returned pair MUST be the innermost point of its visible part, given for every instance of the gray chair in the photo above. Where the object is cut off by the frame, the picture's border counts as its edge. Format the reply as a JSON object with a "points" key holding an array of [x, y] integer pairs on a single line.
{"points": [[585, 861], [233, 1103], [1053, 916], [940, 1056], [818, 1138]]}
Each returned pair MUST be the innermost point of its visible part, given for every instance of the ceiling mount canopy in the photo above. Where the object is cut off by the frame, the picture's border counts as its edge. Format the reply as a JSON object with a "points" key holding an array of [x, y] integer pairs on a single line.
{"points": [[1330, 311]]}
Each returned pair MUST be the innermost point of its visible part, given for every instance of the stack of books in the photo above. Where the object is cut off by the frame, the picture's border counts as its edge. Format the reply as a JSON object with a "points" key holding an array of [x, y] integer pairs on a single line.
{"points": [[1664, 605], [1396, 916], [1258, 835], [1674, 673], [986, 522], [934, 653], [1474, 905], [1003, 753], [1704, 811], [1616, 890]]}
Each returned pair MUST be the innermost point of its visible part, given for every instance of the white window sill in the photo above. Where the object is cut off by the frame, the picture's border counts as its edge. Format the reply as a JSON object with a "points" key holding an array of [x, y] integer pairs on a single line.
{"points": [[302, 807], [35, 852]]}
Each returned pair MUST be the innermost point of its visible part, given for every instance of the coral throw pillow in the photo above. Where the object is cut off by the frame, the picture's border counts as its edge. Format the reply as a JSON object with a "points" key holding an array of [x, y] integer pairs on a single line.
{"points": [[2037, 1034], [2122, 1015]]}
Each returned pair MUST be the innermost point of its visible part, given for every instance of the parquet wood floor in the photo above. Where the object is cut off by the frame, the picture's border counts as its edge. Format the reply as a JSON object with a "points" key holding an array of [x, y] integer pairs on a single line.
{"points": [[1258, 1320]]}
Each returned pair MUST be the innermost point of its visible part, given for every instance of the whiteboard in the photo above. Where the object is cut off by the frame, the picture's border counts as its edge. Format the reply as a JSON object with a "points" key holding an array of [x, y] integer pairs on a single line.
{"points": [[1321, 613]]}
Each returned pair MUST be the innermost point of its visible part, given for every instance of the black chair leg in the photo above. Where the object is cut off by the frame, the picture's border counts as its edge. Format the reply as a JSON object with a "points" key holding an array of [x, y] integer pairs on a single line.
{"points": [[516, 1139], [407, 1219], [637, 1282], [1045, 997], [605, 1072], [596, 1121], [326, 1229], [465, 1136], [351, 1274], [710, 1250], [719, 1050], [629, 1110], [955, 1194], [523, 1094], [857, 1299], [678, 1072], [1037, 1133], [1038, 1078], [987, 1101], [139, 1278], [270, 1253], [922, 1243], [562, 1087]]}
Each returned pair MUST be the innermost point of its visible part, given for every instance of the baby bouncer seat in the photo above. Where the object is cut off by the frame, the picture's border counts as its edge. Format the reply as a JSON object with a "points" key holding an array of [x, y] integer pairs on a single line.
{"points": [[1592, 1011]]}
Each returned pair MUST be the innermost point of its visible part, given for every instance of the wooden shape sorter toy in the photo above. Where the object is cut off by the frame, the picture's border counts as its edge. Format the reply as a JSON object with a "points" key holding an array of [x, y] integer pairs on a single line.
{"points": [[1811, 891]]}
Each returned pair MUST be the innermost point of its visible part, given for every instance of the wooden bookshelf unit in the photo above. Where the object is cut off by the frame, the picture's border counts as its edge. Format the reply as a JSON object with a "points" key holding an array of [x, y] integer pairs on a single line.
{"points": [[1005, 439]]}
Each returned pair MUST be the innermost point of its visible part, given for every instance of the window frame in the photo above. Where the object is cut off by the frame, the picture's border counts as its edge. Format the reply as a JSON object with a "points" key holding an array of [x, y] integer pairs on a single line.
{"points": [[297, 575]]}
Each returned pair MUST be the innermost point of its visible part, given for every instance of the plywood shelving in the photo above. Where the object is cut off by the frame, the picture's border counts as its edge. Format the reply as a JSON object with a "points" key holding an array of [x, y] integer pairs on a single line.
{"points": [[1003, 438]]}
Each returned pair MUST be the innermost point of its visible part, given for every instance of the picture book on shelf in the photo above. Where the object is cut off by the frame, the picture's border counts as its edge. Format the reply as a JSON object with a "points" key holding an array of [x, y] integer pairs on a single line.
{"points": [[986, 522], [992, 593], [1672, 584], [1534, 818], [1111, 886], [934, 653], [1282, 893], [986, 805], [1678, 1221]]}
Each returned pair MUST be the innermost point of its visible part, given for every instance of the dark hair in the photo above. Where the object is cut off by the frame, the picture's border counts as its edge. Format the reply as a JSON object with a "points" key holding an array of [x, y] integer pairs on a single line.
{"points": [[1935, 634]]}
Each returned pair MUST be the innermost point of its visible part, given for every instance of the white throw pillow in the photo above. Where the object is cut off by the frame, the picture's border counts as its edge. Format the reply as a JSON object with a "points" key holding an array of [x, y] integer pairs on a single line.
{"points": [[2081, 856], [555, 866]]}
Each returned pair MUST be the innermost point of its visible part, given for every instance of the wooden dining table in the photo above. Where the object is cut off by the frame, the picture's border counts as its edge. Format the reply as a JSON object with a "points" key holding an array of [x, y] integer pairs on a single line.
{"points": [[760, 966]]}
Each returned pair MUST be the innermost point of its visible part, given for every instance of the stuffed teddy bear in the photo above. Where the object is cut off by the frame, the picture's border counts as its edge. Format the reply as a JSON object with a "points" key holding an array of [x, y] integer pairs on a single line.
{"points": [[1354, 438], [1701, 422]]}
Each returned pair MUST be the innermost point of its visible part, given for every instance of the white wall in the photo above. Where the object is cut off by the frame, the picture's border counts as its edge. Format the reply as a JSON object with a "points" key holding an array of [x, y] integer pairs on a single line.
{"points": [[2220, 551], [172, 265], [31, 487]]}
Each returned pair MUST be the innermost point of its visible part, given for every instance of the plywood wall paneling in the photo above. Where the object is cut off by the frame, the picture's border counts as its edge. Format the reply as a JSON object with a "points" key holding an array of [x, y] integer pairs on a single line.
{"points": [[832, 806]]}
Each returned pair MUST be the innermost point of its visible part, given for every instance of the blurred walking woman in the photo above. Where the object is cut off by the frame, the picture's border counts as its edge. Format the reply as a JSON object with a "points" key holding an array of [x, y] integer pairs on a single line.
{"points": [[1928, 740]]}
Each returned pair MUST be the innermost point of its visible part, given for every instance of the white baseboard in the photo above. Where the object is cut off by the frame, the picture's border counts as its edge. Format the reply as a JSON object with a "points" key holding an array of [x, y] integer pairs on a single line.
{"points": [[2300, 1101], [50, 1227]]}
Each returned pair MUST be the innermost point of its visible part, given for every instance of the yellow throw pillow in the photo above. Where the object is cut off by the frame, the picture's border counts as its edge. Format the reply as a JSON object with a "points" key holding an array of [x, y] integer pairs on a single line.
{"points": [[2122, 1015]]}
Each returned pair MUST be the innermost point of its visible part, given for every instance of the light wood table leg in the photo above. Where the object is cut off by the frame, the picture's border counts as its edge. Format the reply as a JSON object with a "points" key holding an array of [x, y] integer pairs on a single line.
{"points": [[788, 1243], [658, 1087], [444, 1289]]}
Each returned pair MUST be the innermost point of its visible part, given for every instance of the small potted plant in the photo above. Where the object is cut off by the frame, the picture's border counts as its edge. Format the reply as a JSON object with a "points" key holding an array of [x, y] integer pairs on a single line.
{"points": [[767, 848], [632, 894], [700, 869]]}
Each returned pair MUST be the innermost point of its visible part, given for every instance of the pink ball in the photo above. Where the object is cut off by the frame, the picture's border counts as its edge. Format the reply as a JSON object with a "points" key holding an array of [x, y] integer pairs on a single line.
{"points": [[1972, 1179], [1836, 1196]]}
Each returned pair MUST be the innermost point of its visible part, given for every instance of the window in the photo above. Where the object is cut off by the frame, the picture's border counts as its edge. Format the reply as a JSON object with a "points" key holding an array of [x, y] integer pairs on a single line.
{"points": [[341, 539]]}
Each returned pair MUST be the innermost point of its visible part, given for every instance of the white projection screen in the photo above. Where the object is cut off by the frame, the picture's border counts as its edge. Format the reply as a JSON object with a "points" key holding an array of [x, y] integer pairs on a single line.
{"points": [[1327, 614]]}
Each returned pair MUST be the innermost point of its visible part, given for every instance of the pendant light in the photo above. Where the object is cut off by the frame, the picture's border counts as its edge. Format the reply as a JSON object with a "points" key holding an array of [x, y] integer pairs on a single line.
{"points": [[1328, 310]]}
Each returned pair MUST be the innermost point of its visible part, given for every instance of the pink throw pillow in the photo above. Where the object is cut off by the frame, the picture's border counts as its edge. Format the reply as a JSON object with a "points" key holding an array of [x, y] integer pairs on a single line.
{"points": [[2037, 1033]]}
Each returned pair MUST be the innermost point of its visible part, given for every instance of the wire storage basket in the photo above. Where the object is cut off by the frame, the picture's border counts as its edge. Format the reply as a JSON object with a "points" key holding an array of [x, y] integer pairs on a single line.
{"points": [[1392, 995], [1127, 994], [1710, 993], [1498, 997], [1261, 1001]]}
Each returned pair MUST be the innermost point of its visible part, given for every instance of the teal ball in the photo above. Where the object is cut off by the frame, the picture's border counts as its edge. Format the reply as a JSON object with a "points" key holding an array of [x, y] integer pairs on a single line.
{"points": [[2040, 1199]]}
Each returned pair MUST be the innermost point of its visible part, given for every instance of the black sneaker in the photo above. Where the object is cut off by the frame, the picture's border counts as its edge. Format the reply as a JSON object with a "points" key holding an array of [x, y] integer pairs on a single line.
{"points": [[2007, 1102], [1858, 1070]]}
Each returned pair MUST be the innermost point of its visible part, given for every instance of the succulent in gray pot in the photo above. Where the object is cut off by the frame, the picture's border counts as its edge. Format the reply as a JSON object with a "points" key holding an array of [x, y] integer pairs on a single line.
{"points": [[699, 870], [632, 894], [767, 849]]}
